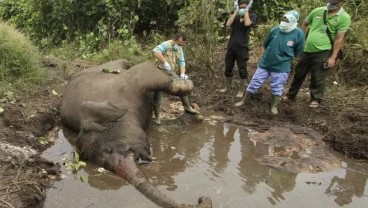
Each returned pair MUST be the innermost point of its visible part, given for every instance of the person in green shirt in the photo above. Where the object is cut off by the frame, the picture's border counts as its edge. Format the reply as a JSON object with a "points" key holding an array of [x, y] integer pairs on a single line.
{"points": [[325, 28], [282, 44]]}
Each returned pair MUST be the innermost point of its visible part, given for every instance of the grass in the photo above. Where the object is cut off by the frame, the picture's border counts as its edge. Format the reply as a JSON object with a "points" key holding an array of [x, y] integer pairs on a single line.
{"points": [[19, 61]]}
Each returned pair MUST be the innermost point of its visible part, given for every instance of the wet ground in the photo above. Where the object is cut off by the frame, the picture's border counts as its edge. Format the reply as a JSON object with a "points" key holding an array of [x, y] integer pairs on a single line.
{"points": [[223, 161]]}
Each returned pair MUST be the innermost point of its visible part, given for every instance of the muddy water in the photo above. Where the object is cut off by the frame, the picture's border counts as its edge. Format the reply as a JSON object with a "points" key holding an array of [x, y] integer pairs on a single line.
{"points": [[213, 159]]}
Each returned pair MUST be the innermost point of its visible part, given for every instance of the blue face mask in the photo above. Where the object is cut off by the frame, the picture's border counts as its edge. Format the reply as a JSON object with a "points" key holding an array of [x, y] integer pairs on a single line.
{"points": [[241, 12]]}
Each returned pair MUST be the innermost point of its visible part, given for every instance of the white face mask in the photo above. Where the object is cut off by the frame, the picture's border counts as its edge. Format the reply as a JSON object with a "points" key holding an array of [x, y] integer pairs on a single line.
{"points": [[286, 27]]}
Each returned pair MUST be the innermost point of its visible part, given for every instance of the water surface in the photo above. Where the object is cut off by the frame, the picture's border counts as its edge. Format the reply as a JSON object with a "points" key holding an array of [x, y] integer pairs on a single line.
{"points": [[213, 159]]}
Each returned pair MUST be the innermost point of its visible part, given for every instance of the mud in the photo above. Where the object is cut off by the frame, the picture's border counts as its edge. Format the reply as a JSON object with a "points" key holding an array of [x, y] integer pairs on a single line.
{"points": [[342, 123]]}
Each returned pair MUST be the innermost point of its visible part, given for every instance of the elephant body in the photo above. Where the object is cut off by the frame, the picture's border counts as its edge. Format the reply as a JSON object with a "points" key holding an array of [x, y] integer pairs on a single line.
{"points": [[111, 113]]}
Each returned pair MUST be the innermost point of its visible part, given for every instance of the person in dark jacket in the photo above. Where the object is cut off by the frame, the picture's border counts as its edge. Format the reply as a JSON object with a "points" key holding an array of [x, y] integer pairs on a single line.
{"points": [[240, 23]]}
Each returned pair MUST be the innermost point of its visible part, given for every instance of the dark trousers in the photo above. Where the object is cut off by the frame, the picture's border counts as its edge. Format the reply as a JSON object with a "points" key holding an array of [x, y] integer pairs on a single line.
{"points": [[313, 63], [241, 57]]}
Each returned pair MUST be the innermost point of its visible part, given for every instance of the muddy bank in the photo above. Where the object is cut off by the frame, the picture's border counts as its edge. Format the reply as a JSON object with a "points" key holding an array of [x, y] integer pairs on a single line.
{"points": [[342, 117]]}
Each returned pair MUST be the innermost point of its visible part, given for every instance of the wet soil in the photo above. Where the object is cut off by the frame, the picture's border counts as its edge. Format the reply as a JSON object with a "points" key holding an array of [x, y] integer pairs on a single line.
{"points": [[342, 119]]}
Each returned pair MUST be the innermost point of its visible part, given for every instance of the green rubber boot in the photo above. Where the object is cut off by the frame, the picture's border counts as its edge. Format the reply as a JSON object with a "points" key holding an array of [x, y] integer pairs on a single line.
{"points": [[274, 102], [228, 83], [245, 99], [156, 110], [243, 83], [187, 107]]}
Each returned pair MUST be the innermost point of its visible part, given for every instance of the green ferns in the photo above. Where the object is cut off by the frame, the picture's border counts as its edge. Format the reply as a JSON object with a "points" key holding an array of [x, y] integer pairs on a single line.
{"points": [[19, 60]]}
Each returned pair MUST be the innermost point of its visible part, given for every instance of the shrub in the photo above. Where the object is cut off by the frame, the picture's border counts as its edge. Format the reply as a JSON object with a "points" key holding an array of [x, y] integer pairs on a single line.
{"points": [[19, 59]]}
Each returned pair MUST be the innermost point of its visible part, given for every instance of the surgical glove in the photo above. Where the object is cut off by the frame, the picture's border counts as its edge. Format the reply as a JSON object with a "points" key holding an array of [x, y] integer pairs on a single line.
{"points": [[249, 6], [236, 7], [167, 66], [183, 76]]}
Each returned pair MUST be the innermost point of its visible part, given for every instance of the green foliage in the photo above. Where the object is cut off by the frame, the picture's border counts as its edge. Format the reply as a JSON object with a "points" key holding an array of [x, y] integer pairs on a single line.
{"points": [[74, 164], [128, 49], [201, 21], [19, 60], [92, 24], [355, 70]]}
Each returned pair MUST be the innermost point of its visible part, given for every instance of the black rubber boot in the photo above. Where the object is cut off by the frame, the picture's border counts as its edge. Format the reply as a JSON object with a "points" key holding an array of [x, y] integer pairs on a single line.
{"points": [[228, 83]]}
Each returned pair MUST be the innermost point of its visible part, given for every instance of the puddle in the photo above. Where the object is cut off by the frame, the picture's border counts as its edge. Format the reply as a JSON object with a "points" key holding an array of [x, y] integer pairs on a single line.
{"points": [[214, 159]]}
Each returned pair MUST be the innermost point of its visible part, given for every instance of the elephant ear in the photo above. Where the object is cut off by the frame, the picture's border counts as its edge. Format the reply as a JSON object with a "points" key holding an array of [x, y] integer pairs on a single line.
{"points": [[94, 114]]}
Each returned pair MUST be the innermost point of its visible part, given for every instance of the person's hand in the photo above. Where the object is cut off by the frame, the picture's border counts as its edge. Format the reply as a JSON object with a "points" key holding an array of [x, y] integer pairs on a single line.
{"points": [[236, 7], [331, 62], [183, 76], [167, 66], [249, 6]]}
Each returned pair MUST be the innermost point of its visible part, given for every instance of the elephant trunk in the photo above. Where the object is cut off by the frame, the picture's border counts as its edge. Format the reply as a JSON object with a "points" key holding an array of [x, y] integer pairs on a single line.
{"points": [[126, 167]]}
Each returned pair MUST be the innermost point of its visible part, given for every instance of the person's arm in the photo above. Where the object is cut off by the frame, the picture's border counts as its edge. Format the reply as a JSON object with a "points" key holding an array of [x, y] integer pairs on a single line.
{"points": [[159, 50], [305, 28], [338, 43], [159, 56], [342, 27], [231, 19], [268, 38], [299, 47], [247, 21]]}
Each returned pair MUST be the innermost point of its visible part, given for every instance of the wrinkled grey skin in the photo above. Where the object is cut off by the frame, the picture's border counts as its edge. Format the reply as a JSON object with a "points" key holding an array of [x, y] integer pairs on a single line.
{"points": [[112, 112]]}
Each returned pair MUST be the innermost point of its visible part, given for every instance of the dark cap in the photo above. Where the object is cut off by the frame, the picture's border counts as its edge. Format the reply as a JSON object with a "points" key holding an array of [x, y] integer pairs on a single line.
{"points": [[243, 1], [336, 1]]}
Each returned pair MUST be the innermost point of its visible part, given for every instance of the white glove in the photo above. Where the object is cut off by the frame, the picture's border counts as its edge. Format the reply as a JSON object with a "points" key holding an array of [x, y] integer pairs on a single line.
{"points": [[183, 76], [236, 7], [167, 66], [249, 6]]}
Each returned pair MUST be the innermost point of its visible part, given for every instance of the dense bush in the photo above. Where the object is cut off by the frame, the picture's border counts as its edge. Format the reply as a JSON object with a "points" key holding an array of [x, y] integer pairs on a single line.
{"points": [[19, 60], [94, 25]]}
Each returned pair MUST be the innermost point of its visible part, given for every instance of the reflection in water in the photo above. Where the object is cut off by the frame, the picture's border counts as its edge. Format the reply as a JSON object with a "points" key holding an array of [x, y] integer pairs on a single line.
{"points": [[281, 182], [219, 161], [251, 170], [346, 188], [222, 139]]}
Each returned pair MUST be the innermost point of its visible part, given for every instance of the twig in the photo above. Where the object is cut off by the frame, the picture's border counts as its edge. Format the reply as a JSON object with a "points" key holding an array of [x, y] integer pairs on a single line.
{"points": [[6, 203], [17, 176]]}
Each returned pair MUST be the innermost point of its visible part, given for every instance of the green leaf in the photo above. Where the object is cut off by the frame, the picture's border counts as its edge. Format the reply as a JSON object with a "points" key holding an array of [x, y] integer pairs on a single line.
{"points": [[83, 178], [42, 140]]}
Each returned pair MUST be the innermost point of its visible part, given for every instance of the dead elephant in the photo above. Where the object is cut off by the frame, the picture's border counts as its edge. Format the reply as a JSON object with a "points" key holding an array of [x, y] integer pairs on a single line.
{"points": [[112, 112]]}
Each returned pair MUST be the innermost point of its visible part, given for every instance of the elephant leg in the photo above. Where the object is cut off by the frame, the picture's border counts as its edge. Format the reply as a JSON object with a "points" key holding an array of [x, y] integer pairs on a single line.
{"points": [[93, 114], [126, 167], [157, 100]]}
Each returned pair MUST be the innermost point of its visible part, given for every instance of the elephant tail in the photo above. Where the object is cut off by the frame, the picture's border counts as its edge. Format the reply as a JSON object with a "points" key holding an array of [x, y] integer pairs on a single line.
{"points": [[126, 167]]}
